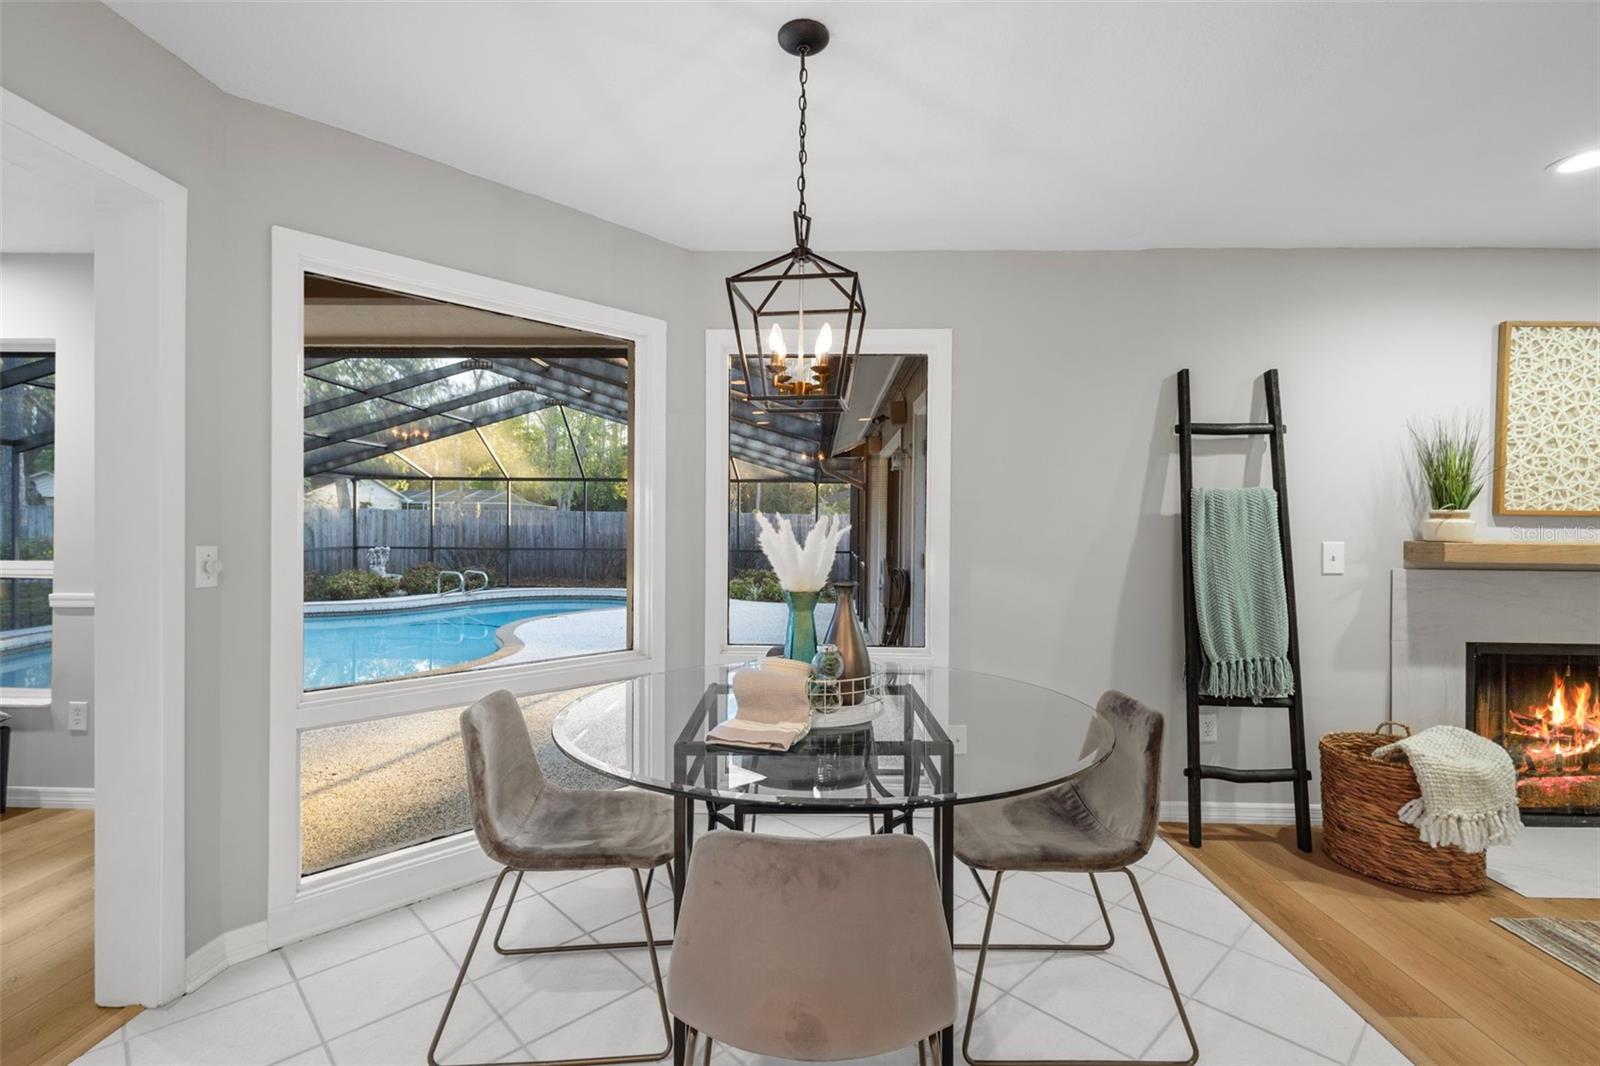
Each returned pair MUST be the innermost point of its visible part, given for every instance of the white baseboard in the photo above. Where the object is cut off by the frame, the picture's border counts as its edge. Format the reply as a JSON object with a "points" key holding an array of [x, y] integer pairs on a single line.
{"points": [[61, 798], [234, 946], [1220, 813]]}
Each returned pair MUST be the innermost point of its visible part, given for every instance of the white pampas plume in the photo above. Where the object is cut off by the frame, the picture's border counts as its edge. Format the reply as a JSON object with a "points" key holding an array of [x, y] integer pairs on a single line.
{"points": [[801, 569]]}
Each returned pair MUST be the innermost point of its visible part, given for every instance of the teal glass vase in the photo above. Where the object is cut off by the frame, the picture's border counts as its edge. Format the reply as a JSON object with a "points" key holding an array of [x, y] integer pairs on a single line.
{"points": [[800, 641]]}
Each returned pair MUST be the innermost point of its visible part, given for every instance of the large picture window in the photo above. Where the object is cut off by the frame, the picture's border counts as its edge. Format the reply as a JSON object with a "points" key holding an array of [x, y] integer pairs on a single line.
{"points": [[466, 488], [467, 482], [27, 518]]}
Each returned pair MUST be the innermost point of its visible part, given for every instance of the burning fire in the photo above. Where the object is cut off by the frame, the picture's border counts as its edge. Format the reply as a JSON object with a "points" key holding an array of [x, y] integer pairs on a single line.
{"points": [[1566, 726]]}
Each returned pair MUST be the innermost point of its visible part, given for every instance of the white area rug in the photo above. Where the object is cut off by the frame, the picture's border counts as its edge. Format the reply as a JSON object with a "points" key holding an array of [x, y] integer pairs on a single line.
{"points": [[1550, 862]]}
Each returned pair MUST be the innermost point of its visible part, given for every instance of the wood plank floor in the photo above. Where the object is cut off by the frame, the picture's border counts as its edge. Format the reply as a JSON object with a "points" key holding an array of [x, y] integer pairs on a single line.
{"points": [[1431, 973], [47, 1009]]}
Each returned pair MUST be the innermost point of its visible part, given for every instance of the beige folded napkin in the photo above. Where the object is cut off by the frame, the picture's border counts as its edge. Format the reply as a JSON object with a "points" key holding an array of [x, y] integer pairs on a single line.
{"points": [[772, 711]]}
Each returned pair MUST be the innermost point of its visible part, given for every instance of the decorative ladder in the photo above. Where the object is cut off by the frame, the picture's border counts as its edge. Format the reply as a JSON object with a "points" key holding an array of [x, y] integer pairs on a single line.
{"points": [[1273, 429]]}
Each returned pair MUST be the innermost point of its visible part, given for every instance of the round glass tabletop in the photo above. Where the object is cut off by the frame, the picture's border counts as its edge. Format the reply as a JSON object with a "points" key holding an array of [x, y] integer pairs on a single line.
{"points": [[927, 737]]}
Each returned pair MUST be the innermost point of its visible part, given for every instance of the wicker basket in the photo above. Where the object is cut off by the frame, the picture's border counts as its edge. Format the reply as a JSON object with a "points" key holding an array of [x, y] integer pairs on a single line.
{"points": [[1361, 831]]}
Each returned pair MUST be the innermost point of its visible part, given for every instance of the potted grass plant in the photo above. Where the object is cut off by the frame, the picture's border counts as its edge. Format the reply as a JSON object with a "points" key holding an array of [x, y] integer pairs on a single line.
{"points": [[1452, 466], [802, 571]]}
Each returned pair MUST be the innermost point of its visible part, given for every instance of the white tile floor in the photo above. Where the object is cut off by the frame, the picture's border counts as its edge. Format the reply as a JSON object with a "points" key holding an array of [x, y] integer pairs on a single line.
{"points": [[372, 992], [1539, 863]]}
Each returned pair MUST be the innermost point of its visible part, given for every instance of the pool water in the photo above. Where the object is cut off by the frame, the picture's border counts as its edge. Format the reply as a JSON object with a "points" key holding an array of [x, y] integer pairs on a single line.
{"points": [[25, 667], [344, 649]]}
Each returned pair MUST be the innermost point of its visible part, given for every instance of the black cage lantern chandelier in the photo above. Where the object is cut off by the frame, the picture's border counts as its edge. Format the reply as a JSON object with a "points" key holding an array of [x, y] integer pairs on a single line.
{"points": [[798, 318]]}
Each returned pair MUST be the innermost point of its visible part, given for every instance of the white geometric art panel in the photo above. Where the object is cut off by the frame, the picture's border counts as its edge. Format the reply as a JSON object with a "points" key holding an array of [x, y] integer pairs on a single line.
{"points": [[1548, 432]]}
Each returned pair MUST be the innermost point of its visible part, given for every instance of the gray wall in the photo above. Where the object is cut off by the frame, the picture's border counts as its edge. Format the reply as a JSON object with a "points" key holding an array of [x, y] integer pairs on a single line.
{"points": [[248, 168], [1064, 357], [1065, 397], [51, 297]]}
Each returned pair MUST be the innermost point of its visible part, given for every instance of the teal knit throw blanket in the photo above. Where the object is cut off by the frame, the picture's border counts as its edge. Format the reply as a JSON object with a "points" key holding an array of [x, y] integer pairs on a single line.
{"points": [[1239, 599]]}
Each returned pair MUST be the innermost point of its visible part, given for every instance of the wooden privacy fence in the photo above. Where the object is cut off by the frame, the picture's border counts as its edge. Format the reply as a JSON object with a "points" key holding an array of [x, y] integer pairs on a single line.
{"points": [[744, 546], [538, 546]]}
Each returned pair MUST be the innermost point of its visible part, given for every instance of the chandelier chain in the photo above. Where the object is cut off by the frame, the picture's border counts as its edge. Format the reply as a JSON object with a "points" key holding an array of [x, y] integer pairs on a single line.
{"points": [[800, 182]]}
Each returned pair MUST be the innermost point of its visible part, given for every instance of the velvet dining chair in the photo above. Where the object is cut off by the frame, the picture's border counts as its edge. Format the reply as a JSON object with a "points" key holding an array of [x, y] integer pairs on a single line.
{"points": [[525, 824], [816, 950], [1101, 822]]}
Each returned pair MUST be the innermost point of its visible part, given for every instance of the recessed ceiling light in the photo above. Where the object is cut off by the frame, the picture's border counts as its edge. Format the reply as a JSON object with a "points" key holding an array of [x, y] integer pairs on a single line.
{"points": [[1574, 164]]}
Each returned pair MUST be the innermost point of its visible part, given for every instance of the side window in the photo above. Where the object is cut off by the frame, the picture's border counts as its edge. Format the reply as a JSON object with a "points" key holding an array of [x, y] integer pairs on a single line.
{"points": [[27, 517]]}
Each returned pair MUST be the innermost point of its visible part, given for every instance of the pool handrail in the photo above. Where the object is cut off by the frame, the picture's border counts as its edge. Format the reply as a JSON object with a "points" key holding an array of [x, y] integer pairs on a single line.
{"points": [[438, 582], [481, 573]]}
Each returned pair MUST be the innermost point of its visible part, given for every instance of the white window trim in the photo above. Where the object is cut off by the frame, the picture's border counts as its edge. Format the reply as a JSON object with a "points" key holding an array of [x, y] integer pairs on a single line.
{"points": [[301, 906], [141, 256], [937, 345]]}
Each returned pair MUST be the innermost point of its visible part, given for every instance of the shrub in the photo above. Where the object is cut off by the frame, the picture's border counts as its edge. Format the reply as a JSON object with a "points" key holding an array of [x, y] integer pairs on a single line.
{"points": [[759, 585], [316, 586], [762, 585], [359, 585], [36, 548], [420, 580]]}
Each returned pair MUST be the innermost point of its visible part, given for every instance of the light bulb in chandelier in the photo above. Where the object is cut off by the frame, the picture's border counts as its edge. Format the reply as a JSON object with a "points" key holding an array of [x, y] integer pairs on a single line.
{"points": [[775, 344]]}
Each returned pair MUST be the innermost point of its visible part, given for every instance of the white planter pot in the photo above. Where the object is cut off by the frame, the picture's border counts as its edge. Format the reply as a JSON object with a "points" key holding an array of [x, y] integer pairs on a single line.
{"points": [[1449, 525]]}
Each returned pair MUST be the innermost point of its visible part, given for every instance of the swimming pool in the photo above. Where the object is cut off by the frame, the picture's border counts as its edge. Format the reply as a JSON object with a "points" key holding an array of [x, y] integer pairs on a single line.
{"points": [[345, 649], [25, 667]]}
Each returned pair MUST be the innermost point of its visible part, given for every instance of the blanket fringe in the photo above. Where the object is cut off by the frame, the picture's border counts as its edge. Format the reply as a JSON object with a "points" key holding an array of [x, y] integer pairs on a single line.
{"points": [[1248, 678], [1470, 832]]}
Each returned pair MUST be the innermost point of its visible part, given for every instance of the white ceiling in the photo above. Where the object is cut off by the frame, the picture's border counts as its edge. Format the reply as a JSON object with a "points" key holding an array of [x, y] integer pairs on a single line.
{"points": [[967, 125]]}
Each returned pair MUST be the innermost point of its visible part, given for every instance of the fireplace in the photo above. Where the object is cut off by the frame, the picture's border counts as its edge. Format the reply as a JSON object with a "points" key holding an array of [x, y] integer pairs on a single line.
{"points": [[1541, 702]]}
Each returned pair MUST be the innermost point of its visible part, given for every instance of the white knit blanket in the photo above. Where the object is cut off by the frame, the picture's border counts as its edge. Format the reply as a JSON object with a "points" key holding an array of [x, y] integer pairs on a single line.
{"points": [[1469, 788]]}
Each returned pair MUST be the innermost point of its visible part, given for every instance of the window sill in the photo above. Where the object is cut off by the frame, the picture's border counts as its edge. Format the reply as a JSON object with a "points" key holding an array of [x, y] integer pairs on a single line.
{"points": [[15, 699]]}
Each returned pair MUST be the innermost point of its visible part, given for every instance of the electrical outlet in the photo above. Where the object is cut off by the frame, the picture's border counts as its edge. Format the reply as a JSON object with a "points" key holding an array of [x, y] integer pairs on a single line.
{"points": [[958, 737], [1208, 727], [1333, 557], [78, 717]]}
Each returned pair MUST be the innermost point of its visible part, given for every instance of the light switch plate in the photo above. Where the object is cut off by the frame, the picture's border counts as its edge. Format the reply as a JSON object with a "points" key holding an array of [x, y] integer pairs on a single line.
{"points": [[207, 566], [1208, 727], [1333, 557]]}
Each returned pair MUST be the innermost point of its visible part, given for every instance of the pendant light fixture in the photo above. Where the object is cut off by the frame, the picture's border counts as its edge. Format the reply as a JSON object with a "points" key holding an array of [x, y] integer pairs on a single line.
{"points": [[797, 318]]}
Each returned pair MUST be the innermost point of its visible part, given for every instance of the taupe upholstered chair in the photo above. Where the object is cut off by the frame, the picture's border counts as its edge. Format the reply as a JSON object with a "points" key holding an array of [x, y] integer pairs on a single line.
{"points": [[525, 824], [1102, 822], [818, 950]]}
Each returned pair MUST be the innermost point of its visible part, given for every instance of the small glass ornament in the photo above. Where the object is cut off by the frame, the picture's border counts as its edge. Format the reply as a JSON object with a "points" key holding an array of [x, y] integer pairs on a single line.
{"points": [[826, 667]]}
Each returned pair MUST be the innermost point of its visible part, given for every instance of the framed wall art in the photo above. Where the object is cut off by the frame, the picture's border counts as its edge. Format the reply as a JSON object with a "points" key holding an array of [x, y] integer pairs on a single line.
{"points": [[1547, 430]]}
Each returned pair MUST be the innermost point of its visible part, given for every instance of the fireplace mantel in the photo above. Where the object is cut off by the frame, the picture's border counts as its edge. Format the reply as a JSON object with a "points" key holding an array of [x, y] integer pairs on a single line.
{"points": [[1502, 555]]}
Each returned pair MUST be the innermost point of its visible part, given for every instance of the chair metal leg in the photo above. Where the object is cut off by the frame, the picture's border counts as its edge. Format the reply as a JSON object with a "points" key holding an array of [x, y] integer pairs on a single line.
{"points": [[983, 889], [650, 879], [691, 1046], [1161, 956], [477, 934], [562, 949], [1105, 918]]}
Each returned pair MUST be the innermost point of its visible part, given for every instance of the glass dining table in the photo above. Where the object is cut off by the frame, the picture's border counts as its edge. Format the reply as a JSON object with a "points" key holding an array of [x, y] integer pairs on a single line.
{"points": [[919, 743]]}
